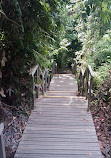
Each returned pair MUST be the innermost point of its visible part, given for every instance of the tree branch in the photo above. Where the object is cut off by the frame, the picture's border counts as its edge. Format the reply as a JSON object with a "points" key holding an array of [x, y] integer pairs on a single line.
{"points": [[8, 18]]}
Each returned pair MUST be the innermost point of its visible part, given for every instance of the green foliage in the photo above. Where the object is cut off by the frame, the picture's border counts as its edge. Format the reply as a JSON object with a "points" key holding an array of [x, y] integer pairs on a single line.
{"points": [[68, 40], [102, 74], [19, 12], [102, 52], [93, 28], [1, 38], [33, 31], [30, 32]]}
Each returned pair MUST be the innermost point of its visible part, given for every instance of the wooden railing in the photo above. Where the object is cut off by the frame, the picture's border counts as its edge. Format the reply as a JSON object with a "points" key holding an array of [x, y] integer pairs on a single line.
{"points": [[40, 83], [74, 68], [85, 81], [54, 68], [2, 147], [41, 80]]}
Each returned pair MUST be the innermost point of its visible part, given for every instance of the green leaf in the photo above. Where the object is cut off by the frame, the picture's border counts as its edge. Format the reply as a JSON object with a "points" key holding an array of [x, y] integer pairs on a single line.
{"points": [[1, 11], [104, 6]]}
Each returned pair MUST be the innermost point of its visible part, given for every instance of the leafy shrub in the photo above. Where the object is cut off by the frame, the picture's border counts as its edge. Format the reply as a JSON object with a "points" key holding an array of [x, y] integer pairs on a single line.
{"points": [[102, 74], [102, 52]]}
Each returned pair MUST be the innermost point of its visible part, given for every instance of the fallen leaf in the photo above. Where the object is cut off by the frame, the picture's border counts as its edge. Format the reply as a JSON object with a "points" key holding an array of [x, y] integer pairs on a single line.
{"points": [[2, 93], [2, 63], [100, 144], [90, 154], [4, 60], [3, 54], [85, 120], [101, 102], [9, 91], [0, 74]]}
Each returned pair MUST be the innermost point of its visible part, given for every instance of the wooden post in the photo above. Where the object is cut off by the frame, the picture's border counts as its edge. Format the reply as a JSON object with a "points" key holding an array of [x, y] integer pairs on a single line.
{"points": [[90, 87], [37, 83], [52, 68], [33, 74], [38, 80], [75, 69], [42, 84], [83, 85], [45, 88], [2, 147], [56, 68], [72, 67], [33, 98], [37, 76], [87, 80], [48, 80], [89, 96], [80, 83]]}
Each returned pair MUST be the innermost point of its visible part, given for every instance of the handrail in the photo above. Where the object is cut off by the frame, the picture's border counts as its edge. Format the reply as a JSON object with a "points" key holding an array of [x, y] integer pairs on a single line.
{"points": [[85, 81], [40, 80], [2, 147], [32, 72], [82, 72], [91, 71]]}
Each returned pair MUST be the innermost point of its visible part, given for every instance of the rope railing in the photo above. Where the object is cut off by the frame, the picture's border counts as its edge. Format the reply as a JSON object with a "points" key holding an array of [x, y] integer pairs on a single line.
{"points": [[41, 80], [85, 81]]}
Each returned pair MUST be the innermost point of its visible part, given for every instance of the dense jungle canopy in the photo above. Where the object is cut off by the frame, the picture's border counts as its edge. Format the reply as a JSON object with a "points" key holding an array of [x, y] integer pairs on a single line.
{"points": [[43, 31]]}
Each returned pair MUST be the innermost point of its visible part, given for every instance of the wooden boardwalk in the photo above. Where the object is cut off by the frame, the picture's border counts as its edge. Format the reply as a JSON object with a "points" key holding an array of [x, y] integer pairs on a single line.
{"points": [[60, 126]]}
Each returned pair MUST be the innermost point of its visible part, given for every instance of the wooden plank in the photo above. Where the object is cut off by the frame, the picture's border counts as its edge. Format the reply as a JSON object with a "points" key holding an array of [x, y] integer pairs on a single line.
{"points": [[57, 100], [68, 129], [56, 156], [59, 96], [77, 132], [65, 152], [55, 123], [58, 113], [54, 140], [61, 91], [71, 119], [58, 147], [59, 144]]}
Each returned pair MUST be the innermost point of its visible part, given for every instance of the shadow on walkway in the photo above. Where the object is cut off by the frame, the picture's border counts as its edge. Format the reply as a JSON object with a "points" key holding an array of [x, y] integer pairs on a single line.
{"points": [[64, 70]]}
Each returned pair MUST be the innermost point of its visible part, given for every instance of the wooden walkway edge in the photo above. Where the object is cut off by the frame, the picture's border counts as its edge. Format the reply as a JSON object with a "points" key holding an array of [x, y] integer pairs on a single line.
{"points": [[60, 126]]}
